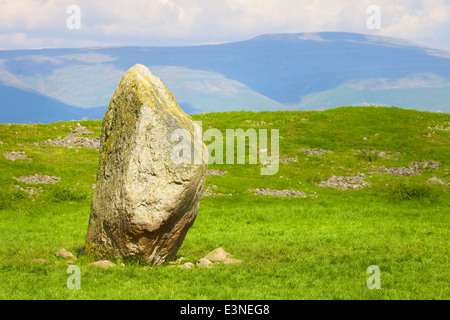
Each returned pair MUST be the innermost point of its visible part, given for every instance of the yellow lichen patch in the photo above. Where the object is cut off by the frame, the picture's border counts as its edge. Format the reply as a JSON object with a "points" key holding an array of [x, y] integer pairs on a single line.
{"points": [[149, 92]]}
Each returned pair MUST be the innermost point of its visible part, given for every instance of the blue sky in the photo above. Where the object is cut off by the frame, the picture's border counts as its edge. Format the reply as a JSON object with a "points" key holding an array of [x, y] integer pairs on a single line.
{"points": [[30, 24]]}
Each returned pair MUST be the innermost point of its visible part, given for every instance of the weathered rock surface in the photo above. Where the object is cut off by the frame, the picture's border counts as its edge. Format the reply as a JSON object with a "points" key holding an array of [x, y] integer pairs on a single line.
{"points": [[144, 203]]}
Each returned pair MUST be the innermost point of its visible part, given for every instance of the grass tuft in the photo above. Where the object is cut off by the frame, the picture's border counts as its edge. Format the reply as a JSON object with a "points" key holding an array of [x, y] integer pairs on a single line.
{"points": [[412, 191], [8, 197], [65, 193]]}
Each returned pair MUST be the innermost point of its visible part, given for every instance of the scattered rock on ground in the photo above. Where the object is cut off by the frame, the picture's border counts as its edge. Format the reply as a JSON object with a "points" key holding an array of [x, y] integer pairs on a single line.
{"points": [[81, 130], [63, 253], [38, 178], [382, 154], [215, 256], [280, 193], [315, 151], [425, 164], [412, 170], [437, 181], [179, 260], [399, 171], [287, 160], [16, 155], [257, 124], [215, 172], [443, 127], [209, 192], [345, 182], [71, 141], [32, 192], [187, 265]]}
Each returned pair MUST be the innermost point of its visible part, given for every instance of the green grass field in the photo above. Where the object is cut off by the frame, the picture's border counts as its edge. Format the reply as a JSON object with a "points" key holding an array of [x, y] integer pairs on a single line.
{"points": [[318, 247]]}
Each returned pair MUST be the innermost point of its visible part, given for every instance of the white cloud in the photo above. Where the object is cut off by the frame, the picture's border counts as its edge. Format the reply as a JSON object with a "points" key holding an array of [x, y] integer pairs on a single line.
{"points": [[420, 21], [167, 22], [22, 40], [21, 15]]}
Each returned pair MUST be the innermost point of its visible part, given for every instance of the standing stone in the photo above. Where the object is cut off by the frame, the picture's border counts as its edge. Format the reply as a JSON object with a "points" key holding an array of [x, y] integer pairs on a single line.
{"points": [[144, 202]]}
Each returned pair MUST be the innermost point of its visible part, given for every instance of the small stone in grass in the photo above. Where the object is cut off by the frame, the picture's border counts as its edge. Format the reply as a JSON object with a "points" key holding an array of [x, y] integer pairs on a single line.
{"points": [[40, 260], [103, 263], [203, 262], [217, 255], [63, 253], [187, 265]]}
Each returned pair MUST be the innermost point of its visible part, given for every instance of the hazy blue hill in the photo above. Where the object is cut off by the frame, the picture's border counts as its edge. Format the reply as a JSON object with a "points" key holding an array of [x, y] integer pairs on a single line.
{"points": [[269, 72], [24, 106], [286, 67]]}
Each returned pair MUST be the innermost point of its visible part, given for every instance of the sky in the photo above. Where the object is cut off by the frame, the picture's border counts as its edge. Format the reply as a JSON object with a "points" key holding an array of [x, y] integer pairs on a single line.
{"points": [[33, 24]]}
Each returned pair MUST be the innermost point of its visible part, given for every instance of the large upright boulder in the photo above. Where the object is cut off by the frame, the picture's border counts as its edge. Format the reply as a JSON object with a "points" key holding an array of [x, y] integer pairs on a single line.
{"points": [[144, 202]]}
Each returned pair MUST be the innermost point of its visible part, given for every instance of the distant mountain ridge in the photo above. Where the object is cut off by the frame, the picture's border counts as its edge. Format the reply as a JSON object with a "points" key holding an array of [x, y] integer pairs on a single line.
{"points": [[302, 71]]}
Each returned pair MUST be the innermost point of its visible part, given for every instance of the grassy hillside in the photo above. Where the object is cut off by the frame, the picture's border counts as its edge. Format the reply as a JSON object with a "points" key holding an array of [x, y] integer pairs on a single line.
{"points": [[313, 247]]}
